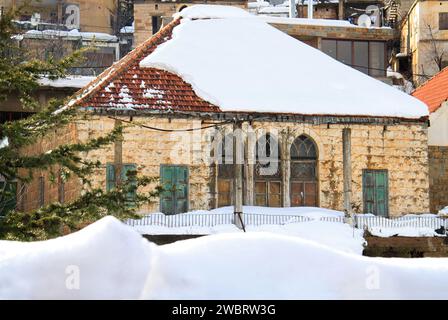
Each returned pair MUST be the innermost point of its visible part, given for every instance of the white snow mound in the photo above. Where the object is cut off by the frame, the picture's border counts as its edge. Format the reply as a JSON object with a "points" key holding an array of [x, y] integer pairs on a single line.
{"points": [[111, 259], [269, 266]]}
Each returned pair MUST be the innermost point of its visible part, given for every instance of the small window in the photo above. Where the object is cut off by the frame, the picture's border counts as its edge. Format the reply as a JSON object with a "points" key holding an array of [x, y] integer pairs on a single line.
{"points": [[361, 56], [329, 47], [377, 59], [344, 52], [443, 20]]}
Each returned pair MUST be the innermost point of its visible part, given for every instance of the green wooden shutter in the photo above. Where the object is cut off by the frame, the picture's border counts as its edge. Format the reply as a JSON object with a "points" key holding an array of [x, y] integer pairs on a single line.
{"points": [[167, 197], [110, 176], [181, 191], [124, 177], [381, 193]]}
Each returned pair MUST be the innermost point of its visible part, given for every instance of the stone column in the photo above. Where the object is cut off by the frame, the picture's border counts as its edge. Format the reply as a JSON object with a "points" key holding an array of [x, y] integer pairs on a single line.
{"points": [[250, 168], [238, 160], [286, 169], [347, 165], [118, 155]]}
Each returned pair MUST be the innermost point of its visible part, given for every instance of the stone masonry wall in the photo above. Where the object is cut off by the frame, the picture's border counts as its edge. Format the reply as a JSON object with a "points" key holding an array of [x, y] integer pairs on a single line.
{"points": [[438, 178], [28, 197], [401, 149], [149, 149]]}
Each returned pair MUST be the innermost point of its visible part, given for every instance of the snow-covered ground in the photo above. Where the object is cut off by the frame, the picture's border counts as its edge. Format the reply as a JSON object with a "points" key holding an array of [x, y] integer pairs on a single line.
{"points": [[111, 260], [303, 221]]}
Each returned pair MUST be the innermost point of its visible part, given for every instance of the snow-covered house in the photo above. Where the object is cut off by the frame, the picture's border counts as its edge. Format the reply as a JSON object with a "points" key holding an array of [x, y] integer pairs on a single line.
{"points": [[343, 139]]}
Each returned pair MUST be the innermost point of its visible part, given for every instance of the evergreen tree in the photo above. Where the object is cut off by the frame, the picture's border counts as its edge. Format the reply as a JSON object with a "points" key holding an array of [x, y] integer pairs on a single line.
{"points": [[19, 75]]}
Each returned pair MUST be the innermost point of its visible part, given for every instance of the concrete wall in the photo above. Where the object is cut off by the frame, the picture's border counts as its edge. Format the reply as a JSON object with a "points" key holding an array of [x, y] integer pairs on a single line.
{"points": [[438, 130]]}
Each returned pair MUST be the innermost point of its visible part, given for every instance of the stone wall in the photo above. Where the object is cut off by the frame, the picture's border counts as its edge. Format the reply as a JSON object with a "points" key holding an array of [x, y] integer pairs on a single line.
{"points": [[438, 178], [149, 149], [28, 197], [406, 247], [400, 149]]}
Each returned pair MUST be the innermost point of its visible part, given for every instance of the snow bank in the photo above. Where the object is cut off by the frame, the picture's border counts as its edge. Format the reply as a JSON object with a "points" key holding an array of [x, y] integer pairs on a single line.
{"points": [[269, 266], [262, 69], [67, 82], [72, 34], [112, 260]]}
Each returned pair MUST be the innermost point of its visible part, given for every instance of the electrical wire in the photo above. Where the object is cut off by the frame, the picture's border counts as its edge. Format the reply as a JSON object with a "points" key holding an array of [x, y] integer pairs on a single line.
{"points": [[173, 130]]}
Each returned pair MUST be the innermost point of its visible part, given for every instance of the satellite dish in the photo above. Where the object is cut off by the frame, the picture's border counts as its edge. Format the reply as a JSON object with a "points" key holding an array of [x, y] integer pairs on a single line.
{"points": [[364, 21], [374, 13]]}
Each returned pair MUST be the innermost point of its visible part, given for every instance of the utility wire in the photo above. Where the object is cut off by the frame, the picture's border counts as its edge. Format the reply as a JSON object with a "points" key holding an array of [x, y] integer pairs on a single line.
{"points": [[173, 130]]}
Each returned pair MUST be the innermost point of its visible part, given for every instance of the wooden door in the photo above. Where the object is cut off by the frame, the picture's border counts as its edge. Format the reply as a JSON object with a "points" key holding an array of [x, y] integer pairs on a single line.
{"points": [[268, 193]]}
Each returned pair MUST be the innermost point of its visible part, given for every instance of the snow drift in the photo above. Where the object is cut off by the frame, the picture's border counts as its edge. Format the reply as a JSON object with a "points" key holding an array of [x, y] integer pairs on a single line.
{"points": [[270, 266], [114, 262], [111, 260]]}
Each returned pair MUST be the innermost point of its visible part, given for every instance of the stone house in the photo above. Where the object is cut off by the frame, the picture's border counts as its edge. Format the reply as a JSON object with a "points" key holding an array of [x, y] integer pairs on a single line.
{"points": [[308, 131], [434, 93]]}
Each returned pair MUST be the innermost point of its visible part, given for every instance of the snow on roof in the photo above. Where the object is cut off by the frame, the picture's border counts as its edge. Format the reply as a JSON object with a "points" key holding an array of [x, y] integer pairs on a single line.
{"points": [[128, 29], [240, 63], [204, 11], [72, 34], [313, 22], [274, 10], [67, 82]]}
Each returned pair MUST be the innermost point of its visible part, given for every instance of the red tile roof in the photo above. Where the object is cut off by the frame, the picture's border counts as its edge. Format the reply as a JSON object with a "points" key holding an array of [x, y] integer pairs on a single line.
{"points": [[125, 84], [434, 91]]}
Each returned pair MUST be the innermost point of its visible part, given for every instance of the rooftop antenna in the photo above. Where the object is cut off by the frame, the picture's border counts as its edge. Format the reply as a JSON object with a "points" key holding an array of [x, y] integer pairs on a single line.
{"points": [[292, 8]]}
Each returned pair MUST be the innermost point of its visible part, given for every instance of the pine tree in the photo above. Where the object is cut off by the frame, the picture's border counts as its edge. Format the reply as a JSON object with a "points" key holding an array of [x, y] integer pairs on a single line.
{"points": [[20, 75]]}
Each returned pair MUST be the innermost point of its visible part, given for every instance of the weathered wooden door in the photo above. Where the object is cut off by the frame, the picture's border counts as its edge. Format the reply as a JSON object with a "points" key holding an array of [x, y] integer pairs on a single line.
{"points": [[375, 192], [268, 193], [303, 193], [174, 181]]}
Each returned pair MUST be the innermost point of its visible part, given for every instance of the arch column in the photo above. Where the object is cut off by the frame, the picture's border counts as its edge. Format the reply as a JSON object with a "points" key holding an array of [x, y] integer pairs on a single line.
{"points": [[286, 169], [251, 140]]}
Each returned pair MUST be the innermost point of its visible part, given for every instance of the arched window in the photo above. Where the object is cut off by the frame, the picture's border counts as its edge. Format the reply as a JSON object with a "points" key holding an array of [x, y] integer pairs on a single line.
{"points": [[303, 148], [268, 179], [303, 191]]}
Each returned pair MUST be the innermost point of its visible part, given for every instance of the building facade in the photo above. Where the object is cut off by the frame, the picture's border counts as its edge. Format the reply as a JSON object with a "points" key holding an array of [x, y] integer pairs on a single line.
{"points": [[424, 40], [149, 14]]}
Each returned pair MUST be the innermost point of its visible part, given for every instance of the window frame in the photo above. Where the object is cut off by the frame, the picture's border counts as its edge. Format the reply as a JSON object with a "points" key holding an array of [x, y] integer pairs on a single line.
{"points": [[369, 68]]}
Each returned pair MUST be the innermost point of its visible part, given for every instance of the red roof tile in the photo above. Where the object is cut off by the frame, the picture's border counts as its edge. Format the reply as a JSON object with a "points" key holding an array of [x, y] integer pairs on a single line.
{"points": [[434, 91], [125, 84]]}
